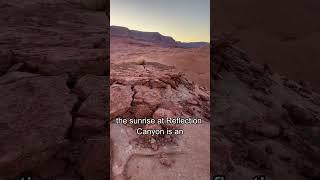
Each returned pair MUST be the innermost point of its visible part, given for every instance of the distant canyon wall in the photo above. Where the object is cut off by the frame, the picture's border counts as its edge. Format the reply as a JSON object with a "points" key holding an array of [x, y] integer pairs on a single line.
{"points": [[153, 37]]}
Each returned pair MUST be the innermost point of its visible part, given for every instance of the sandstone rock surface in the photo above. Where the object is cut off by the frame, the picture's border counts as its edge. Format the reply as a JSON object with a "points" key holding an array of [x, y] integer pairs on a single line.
{"points": [[162, 92], [35, 117], [52, 83], [263, 122]]}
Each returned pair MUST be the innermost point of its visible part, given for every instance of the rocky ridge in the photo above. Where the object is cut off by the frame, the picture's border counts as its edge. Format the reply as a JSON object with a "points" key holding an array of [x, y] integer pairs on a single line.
{"points": [[153, 37], [264, 123]]}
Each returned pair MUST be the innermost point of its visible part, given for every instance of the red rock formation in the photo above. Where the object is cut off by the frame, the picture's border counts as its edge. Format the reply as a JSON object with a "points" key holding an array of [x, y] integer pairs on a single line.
{"points": [[266, 124], [158, 91], [52, 84]]}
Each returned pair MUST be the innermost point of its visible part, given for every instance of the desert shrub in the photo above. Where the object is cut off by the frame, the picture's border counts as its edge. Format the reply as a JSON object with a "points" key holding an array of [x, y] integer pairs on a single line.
{"points": [[97, 5], [141, 62]]}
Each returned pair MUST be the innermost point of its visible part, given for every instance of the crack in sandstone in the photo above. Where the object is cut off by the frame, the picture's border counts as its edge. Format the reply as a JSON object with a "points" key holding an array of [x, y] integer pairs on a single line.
{"points": [[49, 44], [121, 159], [133, 96], [81, 97], [147, 154]]}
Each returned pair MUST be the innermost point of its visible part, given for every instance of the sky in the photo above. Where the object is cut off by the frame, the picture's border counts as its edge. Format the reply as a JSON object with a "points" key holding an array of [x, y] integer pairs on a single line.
{"points": [[184, 20]]}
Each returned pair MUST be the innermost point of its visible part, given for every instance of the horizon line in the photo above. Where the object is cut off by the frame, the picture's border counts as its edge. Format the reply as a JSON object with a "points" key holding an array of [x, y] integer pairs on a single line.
{"points": [[202, 41]]}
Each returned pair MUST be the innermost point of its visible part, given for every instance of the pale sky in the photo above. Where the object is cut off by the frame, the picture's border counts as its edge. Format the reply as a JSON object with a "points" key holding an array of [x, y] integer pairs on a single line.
{"points": [[184, 20]]}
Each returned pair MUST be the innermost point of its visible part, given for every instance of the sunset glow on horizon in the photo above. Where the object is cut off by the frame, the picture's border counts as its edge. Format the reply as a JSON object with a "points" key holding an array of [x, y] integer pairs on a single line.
{"points": [[184, 20]]}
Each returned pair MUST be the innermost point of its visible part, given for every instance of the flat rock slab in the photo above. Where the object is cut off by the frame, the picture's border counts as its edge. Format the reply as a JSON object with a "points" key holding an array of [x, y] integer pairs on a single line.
{"points": [[188, 159], [35, 116], [192, 162]]}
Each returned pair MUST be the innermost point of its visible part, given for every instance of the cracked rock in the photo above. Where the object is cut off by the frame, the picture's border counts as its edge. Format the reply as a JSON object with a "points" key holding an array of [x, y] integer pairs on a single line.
{"points": [[146, 95], [121, 98], [34, 121], [263, 122], [94, 89], [159, 92]]}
